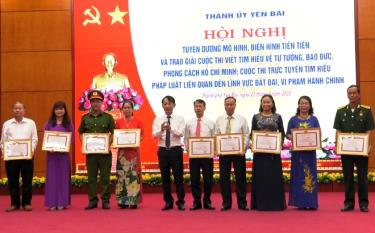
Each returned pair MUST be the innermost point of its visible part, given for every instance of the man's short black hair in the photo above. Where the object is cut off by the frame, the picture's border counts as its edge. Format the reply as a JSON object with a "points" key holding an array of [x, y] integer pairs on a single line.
{"points": [[356, 86], [169, 98], [200, 101]]}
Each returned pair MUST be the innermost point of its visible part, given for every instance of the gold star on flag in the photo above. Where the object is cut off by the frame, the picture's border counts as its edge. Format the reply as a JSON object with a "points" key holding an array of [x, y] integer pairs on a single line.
{"points": [[117, 15]]}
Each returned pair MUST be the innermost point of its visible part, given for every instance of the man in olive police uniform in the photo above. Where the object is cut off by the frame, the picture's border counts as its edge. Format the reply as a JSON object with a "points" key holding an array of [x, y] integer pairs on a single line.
{"points": [[97, 121], [354, 118]]}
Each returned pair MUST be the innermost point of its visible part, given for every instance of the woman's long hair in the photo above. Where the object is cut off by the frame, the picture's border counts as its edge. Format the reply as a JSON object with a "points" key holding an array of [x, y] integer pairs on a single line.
{"points": [[66, 119]]}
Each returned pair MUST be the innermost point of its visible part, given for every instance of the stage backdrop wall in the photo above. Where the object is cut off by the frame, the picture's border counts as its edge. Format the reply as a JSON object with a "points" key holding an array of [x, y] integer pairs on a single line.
{"points": [[36, 61]]}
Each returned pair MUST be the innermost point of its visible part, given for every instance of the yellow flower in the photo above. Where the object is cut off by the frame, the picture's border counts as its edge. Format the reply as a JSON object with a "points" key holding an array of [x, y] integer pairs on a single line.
{"points": [[133, 188]]}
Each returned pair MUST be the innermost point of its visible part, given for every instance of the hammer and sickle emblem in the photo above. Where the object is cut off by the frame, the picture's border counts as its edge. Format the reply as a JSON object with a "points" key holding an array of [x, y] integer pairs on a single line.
{"points": [[93, 18]]}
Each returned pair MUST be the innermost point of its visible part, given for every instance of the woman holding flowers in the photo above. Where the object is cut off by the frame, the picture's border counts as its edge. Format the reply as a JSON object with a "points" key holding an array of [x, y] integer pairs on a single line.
{"points": [[303, 183], [128, 187]]}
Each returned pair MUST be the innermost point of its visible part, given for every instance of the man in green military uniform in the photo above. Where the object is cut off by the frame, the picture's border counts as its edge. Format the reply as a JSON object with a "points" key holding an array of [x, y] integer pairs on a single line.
{"points": [[97, 121], [354, 118]]}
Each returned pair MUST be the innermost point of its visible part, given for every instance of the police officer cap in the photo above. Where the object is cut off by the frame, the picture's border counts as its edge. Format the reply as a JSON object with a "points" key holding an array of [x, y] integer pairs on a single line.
{"points": [[95, 94]]}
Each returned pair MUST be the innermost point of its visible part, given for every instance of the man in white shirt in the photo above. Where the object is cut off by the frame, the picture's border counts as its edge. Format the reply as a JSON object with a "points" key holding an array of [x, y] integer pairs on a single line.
{"points": [[20, 127], [169, 130], [200, 126], [231, 123]]}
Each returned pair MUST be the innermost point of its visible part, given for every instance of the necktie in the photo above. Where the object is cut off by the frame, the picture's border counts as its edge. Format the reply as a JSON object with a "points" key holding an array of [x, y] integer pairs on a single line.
{"points": [[168, 134], [228, 129], [198, 129]]}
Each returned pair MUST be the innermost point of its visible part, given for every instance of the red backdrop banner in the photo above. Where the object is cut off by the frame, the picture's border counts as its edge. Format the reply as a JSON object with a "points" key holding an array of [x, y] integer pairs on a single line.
{"points": [[100, 27]]}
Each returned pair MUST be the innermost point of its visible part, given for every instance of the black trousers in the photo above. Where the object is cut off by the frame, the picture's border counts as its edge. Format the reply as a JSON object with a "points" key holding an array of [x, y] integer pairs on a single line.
{"points": [[207, 166], [361, 163], [171, 158], [13, 170], [239, 164]]}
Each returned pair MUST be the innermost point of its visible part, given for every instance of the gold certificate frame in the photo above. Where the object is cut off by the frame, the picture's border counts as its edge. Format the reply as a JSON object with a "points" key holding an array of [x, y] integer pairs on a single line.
{"points": [[353, 144], [266, 142], [202, 147], [17, 149], [95, 143], [306, 139], [123, 138], [56, 141], [230, 144]]}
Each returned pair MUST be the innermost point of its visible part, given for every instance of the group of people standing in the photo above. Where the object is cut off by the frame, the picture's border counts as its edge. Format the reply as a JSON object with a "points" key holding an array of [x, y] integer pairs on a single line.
{"points": [[267, 191], [267, 179]]}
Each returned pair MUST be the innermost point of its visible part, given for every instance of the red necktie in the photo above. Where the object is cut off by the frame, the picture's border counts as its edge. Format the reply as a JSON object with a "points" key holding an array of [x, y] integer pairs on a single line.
{"points": [[198, 129]]}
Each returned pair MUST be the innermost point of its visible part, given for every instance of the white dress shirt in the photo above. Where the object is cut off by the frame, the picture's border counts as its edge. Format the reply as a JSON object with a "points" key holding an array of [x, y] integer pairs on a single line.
{"points": [[177, 129], [25, 129], [207, 128], [238, 124]]}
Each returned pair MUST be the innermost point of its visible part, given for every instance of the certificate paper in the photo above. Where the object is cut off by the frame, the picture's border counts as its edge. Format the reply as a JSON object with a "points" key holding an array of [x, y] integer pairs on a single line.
{"points": [[126, 138], [56, 141], [306, 139], [95, 143], [201, 147], [266, 142], [17, 149], [230, 144], [353, 144]]}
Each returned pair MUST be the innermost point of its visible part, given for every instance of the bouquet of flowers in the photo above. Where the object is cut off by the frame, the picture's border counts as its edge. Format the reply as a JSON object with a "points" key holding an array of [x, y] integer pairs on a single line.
{"points": [[113, 100]]}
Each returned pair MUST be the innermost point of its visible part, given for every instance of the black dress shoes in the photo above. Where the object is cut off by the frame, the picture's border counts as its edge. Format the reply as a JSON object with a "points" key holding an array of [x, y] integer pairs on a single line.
{"points": [[225, 208], [363, 209], [347, 208], [196, 207], [91, 206], [244, 208], [208, 207], [105, 206], [123, 206], [133, 207], [180, 206], [167, 207]]}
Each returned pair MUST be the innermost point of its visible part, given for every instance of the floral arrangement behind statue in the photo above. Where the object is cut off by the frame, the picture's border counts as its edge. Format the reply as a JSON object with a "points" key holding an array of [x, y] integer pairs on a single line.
{"points": [[113, 100]]}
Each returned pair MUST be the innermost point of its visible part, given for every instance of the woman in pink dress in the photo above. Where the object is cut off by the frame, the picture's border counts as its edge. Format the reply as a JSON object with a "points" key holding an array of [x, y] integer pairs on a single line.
{"points": [[128, 187]]}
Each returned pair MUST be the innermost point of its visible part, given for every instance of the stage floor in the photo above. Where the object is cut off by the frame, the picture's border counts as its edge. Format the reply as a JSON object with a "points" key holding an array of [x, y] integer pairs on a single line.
{"points": [[148, 218]]}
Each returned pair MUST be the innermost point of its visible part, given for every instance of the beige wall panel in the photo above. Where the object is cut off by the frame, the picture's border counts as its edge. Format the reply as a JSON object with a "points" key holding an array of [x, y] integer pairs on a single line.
{"points": [[368, 98], [368, 94], [38, 104], [366, 19], [36, 31], [367, 60], [34, 5], [41, 71]]}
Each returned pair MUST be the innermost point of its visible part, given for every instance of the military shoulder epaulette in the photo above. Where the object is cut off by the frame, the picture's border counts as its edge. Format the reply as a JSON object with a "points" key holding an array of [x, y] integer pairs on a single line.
{"points": [[341, 107], [365, 106]]}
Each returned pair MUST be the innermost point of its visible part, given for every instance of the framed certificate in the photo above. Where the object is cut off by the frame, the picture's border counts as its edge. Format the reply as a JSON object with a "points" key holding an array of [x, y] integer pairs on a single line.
{"points": [[202, 147], [56, 141], [306, 139], [126, 138], [95, 143], [352, 144], [266, 142], [230, 144], [17, 149]]}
